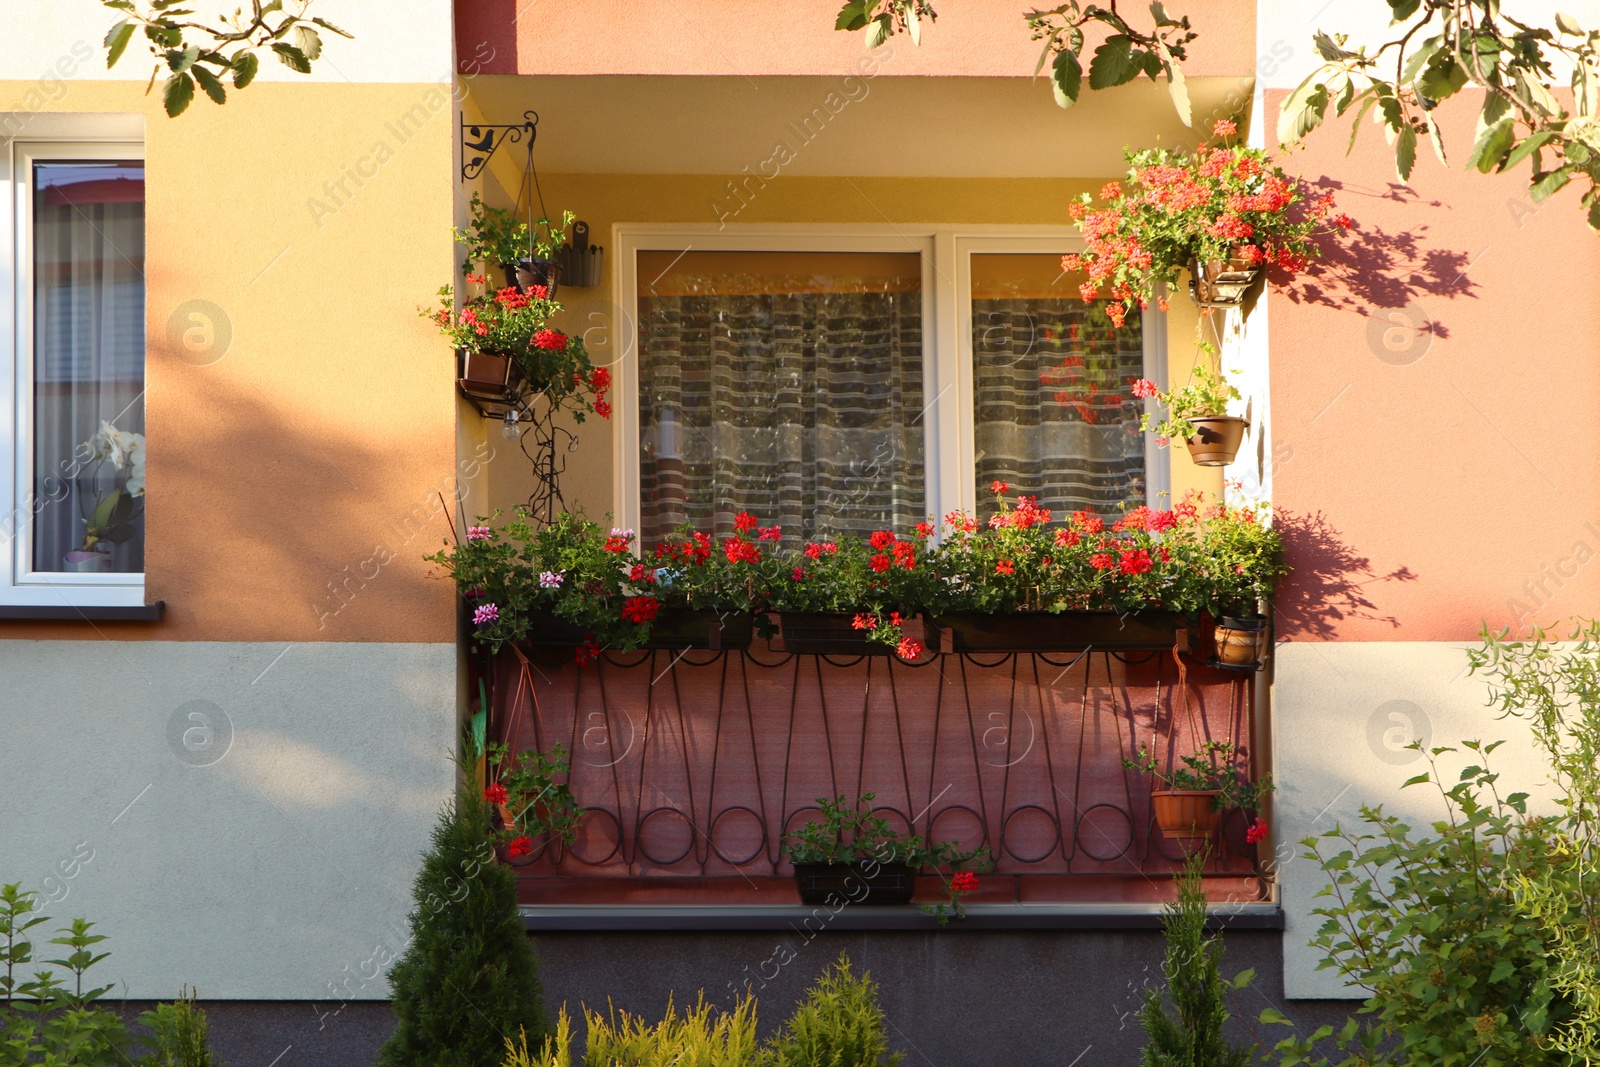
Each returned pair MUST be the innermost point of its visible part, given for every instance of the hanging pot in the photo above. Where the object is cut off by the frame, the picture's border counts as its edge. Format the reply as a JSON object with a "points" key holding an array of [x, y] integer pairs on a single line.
{"points": [[1221, 282], [485, 374], [510, 271], [545, 272], [1186, 814], [1216, 440], [1241, 642]]}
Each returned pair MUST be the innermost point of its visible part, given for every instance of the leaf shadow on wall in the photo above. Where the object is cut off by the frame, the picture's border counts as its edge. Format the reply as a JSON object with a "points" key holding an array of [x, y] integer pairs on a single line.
{"points": [[1327, 582], [1370, 267]]}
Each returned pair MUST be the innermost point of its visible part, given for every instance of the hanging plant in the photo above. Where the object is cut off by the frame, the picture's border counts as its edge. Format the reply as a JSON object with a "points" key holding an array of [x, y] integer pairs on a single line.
{"points": [[1224, 208]]}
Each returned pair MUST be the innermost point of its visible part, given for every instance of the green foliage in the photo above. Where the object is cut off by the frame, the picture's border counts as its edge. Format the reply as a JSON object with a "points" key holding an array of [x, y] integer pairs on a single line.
{"points": [[194, 53], [44, 1021], [535, 794], [499, 237], [1125, 54], [468, 974], [839, 1024], [1440, 47], [1211, 770], [1191, 1034], [1206, 396]]}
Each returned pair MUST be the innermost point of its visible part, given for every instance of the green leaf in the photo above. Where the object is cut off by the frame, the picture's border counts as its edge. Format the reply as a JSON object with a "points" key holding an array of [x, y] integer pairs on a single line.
{"points": [[913, 24], [306, 39], [116, 42], [1328, 49], [1425, 51], [1066, 78], [1178, 87], [331, 28], [244, 68], [177, 94], [1418, 780], [1273, 1015], [1435, 137], [1404, 9], [1302, 111], [1114, 63], [1442, 77], [1492, 145], [182, 61], [1405, 153], [852, 16], [1567, 24], [292, 57], [213, 88]]}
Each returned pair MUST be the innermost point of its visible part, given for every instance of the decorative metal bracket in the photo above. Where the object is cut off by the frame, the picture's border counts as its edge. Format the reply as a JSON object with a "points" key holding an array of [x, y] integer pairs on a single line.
{"points": [[480, 142]]}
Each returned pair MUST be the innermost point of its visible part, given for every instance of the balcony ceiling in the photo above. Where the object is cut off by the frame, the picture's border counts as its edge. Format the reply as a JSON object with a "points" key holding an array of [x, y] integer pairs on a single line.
{"points": [[877, 127]]}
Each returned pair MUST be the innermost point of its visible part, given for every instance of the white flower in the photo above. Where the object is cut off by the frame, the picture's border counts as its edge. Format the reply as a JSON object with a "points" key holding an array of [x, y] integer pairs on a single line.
{"points": [[551, 579], [124, 449]]}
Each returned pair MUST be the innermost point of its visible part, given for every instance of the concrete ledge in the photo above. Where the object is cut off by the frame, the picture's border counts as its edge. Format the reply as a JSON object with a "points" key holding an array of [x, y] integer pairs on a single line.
{"points": [[794, 916]]}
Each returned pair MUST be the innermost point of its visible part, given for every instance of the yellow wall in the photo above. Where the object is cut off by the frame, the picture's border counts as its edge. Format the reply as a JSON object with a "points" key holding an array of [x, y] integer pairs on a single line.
{"points": [[307, 460], [604, 200]]}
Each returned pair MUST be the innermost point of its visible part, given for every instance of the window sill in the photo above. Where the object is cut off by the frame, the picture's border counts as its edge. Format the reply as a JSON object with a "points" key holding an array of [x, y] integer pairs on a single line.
{"points": [[602, 917], [84, 613]]}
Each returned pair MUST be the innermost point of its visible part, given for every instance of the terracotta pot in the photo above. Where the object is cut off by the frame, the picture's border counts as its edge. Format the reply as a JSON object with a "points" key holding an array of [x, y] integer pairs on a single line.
{"points": [[1186, 814], [1221, 283], [1216, 440], [857, 883], [485, 374], [1241, 642]]}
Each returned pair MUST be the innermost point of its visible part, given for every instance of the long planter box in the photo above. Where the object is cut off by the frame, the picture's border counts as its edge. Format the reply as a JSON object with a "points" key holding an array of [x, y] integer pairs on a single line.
{"points": [[838, 883], [671, 629], [829, 634], [1067, 631]]}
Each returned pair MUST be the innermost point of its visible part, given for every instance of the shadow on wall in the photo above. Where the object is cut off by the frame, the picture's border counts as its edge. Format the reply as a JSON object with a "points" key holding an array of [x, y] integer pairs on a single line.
{"points": [[1327, 582], [1370, 267], [486, 37]]}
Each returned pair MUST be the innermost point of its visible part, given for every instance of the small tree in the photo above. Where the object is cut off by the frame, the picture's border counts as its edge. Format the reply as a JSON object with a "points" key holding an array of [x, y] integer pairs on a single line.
{"points": [[468, 978], [1193, 969]]}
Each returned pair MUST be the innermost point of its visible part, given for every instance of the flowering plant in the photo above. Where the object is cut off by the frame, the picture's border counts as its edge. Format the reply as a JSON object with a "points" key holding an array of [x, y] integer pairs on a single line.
{"points": [[499, 237], [115, 511], [1213, 769], [528, 789], [515, 322], [1218, 202], [1205, 397]]}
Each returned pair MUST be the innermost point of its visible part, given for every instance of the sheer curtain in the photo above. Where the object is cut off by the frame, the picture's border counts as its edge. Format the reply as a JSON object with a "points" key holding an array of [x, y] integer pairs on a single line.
{"points": [[788, 385], [88, 362], [1055, 414]]}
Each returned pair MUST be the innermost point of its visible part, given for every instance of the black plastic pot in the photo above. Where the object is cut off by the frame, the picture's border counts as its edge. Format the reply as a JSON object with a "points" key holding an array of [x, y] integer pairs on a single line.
{"points": [[834, 634], [1067, 631], [674, 628], [877, 884]]}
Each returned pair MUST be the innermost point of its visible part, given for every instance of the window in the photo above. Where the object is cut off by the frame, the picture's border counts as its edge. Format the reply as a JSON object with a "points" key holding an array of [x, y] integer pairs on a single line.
{"points": [[74, 480], [837, 383]]}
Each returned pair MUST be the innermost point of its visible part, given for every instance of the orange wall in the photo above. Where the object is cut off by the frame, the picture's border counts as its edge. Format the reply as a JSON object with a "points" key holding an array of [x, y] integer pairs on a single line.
{"points": [[1431, 478], [971, 38], [312, 451]]}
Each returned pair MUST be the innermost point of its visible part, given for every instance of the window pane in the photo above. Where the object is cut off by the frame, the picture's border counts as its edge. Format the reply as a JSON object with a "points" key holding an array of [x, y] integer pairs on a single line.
{"points": [[88, 369], [786, 384], [1055, 412]]}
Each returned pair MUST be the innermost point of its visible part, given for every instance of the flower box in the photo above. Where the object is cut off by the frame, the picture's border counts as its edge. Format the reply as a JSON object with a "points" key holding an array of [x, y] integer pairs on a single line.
{"points": [[546, 630], [1043, 631], [486, 375], [876, 884], [830, 634], [677, 628]]}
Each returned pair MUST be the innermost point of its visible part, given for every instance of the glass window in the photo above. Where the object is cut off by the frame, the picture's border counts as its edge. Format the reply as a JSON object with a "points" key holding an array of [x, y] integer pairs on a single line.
{"points": [[87, 222], [786, 384], [1054, 411]]}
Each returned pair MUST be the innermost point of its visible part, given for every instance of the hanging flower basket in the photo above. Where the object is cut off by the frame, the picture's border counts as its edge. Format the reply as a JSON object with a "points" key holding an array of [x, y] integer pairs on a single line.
{"points": [[855, 883], [1221, 283], [1216, 439], [532, 272], [1241, 643], [484, 374], [1188, 815]]}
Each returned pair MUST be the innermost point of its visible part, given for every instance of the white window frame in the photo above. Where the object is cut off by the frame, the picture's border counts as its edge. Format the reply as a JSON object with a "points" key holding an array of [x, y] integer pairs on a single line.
{"points": [[62, 137], [949, 433]]}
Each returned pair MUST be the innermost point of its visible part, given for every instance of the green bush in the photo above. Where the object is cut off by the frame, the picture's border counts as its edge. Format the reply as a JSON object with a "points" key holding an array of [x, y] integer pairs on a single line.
{"points": [[44, 1022], [468, 974], [839, 1024]]}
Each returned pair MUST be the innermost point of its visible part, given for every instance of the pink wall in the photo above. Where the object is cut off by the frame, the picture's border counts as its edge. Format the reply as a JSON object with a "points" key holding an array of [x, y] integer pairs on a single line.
{"points": [[1429, 478], [972, 38]]}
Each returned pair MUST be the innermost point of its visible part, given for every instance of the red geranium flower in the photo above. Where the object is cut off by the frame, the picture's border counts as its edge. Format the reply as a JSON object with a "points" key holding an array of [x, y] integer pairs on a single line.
{"points": [[963, 882], [909, 648], [1257, 832], [554, 340], [1005, 566], [640, 608], [881, 539], [745, 522], [495, 794], [865, 622], [519, 847], [997, 487], [881, 563]]}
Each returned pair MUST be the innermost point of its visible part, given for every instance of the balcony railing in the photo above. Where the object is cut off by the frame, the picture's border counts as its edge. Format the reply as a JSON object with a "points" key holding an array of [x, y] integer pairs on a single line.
{"points": [[691, 765]]}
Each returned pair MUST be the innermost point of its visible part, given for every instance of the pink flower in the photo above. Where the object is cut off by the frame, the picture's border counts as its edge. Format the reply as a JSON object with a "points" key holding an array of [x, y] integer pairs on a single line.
{"points": [[485, 614], [1257, 832], [799, 575], [1224, 128], [1144, 387], [551, 579], [479, 533]]}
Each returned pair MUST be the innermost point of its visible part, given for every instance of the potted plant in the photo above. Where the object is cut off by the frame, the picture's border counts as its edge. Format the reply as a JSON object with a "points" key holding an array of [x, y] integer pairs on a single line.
{"points": [[524, 253], [1224, 212], [1194, 793], [530, 799], [1238, 572], [1197, 414], [114, 517], [852, 855], [505, 343]]}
